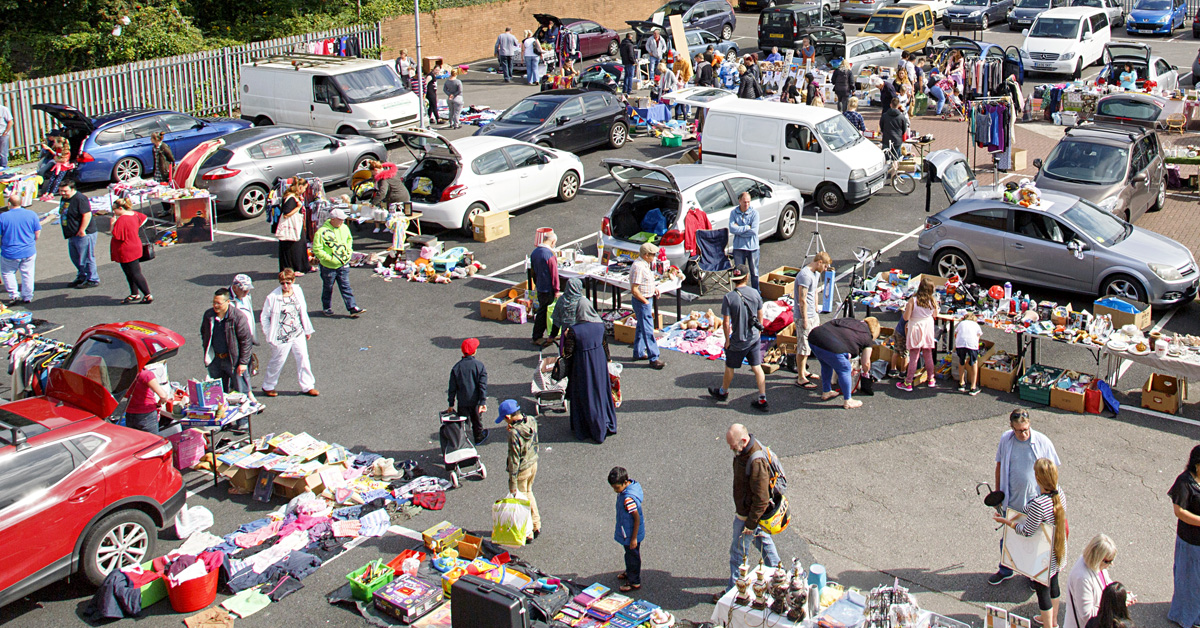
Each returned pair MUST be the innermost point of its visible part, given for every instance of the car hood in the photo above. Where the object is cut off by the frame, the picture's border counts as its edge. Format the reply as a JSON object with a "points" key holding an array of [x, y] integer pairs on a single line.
{"points": [[1153, 248], [1142, 15], [508, 129], [956, 9], [68, 116], [1093, 193], [1026, 12]]}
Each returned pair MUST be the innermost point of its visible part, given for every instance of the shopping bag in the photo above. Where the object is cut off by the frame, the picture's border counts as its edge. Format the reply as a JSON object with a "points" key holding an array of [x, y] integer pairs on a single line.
{"points": [[512, 520], [191, 520]]}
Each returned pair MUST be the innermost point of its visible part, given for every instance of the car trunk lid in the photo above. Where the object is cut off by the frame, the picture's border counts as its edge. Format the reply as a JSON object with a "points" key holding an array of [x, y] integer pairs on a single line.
{"points": [[68, 116], [1127, 53], [629, 173], [429, 143], [703, 97], [189, 167]]}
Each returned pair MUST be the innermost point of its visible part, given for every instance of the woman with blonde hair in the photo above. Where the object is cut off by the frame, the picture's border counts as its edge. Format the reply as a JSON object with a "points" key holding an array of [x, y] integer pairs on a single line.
{"points": [[667, 81], [904, 89], [531, 49], [1087, 580], [1046, 508], [920, 334], [852, 114], [289, 230], [454, 97], [287, 329]]}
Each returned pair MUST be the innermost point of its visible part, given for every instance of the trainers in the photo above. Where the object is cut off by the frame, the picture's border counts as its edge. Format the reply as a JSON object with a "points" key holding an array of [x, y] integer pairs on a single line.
{"points": [[376, 230], [974, 391], [999, 577], [932, 383], [89, 284], [904, 387], [482, 436], [328, 312], [75, 284], [717, 394], [356, 312], [759, 404], [962, 388]]}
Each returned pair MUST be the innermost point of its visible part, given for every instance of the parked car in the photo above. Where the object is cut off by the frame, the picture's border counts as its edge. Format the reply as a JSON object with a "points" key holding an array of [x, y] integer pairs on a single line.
{"points": [[698, 41], [1066, 40], [973, 49], [453, 182], [714, 16], [1114, 9], [80, 494], [594, 39], [906, 26], [976, 14], [1144, 110], [1118, 167], [866, 8], [746, 5], [116, 146], [858, 51], [609, 77], [1067, 244], [1196, 25], [1153, 68], [1196, 70], [787, 25], [569, 119], [244, 165], [646, 187], [1157, 17], [1023, 12]]}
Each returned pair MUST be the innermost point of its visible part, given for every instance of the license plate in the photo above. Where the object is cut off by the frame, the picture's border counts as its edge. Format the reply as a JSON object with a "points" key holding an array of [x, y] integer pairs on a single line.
{"points": [[875, 187], [776, 35], [1044, 66], [956, 20], [620, 252]]}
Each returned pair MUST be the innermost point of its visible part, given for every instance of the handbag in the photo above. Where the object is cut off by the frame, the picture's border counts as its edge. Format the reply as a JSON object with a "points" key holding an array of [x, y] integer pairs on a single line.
{"points": [[560, 369], [147, 246]]}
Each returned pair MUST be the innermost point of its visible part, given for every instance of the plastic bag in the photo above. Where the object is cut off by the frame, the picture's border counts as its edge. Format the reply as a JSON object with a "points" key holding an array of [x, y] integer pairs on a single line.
{"points": [[191, 520], [512, 520]]}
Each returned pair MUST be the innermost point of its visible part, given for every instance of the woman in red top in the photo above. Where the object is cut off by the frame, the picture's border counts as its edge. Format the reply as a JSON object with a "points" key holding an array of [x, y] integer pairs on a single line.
{"points": [[127, 250], [145, 395]]}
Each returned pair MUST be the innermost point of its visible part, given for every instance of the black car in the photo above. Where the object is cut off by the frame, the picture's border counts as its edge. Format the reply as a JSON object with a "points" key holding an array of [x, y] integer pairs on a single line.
{"points": [[566, 119], [787, 25]]}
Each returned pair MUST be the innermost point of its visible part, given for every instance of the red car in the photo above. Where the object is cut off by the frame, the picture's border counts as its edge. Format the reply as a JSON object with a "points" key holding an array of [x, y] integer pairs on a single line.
{"points": [[77, 492]]}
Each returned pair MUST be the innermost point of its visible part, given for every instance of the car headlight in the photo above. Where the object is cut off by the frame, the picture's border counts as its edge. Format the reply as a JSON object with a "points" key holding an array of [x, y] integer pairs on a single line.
{"points": [[378, 124], [1066, 56], [1164, 19], [1165, 272], [1110, 204], [858, 173], [1024, 53], [975, 14]]}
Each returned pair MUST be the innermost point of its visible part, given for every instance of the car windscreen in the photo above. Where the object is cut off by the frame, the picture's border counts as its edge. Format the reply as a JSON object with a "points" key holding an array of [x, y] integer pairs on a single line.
{"points": [[1124, 108], [1087, 162], [369, 84], [1095, 223], [838, 133], [1033, 4], [529, 111], [219, 158], [1055, 28], [106, 361], [883, 25], [1152, 5], [1087, 3], [971, 3], [674, 8]]}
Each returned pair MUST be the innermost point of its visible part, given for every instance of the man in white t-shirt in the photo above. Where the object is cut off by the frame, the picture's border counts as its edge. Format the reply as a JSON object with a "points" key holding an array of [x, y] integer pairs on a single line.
{"points": [[808, 281], [6, 125], [966, 343]]}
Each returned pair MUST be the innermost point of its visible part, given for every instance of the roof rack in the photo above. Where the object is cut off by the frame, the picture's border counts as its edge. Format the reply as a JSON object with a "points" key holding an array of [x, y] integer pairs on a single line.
{"points": [[16, 436], [304, 60], [1131, 132]]}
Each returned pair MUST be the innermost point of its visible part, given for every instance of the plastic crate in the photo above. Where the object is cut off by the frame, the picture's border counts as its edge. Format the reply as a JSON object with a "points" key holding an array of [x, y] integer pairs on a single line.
{"points": [[365, 592], [1040, 392], [672, 140]]}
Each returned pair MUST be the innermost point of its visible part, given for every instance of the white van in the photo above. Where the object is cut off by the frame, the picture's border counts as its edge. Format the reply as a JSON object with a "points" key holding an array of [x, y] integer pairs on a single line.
{"points": [[1066, 40], [342, 95], [813, 149]]}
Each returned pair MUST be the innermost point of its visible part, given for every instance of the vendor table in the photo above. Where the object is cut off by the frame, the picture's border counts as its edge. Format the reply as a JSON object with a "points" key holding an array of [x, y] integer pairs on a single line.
{"points": [[211, 432], [592, 283], [1186, 161], [733, 615], [1183, 369]]}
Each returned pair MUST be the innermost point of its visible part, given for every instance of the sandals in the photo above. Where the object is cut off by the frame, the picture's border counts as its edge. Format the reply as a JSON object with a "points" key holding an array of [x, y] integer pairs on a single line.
{"points": [[808, 383], [829, 395], [622, 576], [626, 588], [133, 298]]}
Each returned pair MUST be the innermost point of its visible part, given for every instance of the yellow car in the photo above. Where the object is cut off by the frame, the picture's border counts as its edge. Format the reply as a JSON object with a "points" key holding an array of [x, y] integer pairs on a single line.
{"points": [[906, 26]]}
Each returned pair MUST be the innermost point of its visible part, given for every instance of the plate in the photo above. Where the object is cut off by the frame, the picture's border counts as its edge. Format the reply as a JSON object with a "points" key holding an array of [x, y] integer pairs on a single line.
{"points": [[1117, 345], [1136, 352]]}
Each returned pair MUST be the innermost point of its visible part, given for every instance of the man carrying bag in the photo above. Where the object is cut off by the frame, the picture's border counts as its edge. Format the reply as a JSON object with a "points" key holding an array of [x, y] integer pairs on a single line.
{"points": [[756, 477]]}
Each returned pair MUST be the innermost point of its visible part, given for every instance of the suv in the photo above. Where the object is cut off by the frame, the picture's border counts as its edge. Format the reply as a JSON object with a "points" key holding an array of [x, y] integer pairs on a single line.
{"points": [[714, 16], [1118, 167], [788, 24], [78, 493]]}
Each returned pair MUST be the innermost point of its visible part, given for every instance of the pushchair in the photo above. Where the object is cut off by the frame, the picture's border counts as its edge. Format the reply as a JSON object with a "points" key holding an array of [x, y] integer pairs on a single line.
{"points": [[458, 452], [548, 394]]}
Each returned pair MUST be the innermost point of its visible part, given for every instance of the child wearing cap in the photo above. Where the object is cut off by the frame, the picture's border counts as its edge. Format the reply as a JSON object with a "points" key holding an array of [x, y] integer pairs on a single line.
{"points": [[522, 456]]}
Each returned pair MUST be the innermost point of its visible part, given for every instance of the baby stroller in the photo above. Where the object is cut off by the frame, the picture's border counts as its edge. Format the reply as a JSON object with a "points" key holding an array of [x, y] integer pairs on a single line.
{"points": [[458, 452], [548, 393]]}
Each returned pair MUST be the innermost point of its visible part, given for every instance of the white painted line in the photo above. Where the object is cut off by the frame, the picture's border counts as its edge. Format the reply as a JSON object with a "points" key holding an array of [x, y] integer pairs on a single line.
{"points": [[507, 282], [595, 191], [871, 229], [885, 249], [244, 235]]}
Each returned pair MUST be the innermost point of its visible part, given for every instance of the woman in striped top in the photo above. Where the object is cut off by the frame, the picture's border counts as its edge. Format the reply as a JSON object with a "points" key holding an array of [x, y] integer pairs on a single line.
{"points": [[1046, 508]]}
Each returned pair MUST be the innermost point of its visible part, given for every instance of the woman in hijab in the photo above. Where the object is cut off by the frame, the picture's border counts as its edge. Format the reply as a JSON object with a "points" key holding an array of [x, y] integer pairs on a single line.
{"points": [[566, 308], [589, 389]]}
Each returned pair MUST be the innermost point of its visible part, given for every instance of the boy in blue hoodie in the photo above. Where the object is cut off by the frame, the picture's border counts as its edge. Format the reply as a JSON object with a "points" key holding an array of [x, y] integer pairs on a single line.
{"points": [[631, 526]]}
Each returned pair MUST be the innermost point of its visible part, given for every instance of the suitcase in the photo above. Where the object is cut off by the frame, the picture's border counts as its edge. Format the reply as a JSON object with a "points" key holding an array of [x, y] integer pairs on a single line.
{"points": [[476, 602]]}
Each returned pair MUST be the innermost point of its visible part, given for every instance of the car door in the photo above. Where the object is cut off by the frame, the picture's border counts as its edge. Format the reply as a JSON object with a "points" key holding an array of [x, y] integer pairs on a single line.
{"points": [[568, 125], [137, 140], [1154, 170], [1036, 252], [500, 186], [1139, 191], [182, 133], [1167, 77], [328, 108], [708, 39], [317, 154], [909, 37], [714, 200], [695, 45], [884, 55], [1179, 14], [597, 116], [533, 172], [275, 157], [981, 233], [767, 208], [802, 160]]}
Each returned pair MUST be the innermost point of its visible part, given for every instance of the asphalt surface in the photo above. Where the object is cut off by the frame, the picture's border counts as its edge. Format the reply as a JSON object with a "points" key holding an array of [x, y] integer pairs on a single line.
{"points": [[382, 379]]}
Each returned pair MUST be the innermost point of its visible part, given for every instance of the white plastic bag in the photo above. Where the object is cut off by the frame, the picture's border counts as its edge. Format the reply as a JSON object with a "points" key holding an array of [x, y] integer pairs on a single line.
{"points": [[192, 520], [512, 520]]}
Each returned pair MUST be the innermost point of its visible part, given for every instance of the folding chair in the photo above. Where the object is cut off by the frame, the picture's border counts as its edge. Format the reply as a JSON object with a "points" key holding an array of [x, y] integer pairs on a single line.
{"points": [[713, 263]]}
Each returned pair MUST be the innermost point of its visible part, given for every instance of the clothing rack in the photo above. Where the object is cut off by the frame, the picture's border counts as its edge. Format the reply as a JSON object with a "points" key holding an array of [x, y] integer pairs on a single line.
{"points": [[30, 361], [970, 104]]}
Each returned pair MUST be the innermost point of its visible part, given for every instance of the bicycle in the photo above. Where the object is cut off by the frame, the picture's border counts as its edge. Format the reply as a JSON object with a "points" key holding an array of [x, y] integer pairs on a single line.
{"points": [[903, 182]]}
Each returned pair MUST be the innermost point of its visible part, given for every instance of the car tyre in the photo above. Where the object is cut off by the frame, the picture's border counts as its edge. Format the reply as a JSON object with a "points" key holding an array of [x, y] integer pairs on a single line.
{"points": [[568, 186], [263, 121], [617, 135], [1123, 286], [727, 32], [347, 130], [953, 261], [1078, 69], [731, 52], [252, 201], [789, 218], [126, 169], [362, 162], [983, 25], [830, 198], [1161, 199], [122, 539], [614, 48], [469, 218]]}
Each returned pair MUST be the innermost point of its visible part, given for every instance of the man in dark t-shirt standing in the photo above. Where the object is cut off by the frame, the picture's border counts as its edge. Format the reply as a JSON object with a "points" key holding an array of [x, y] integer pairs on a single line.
{"points": [[742, 310], [80, 232]]}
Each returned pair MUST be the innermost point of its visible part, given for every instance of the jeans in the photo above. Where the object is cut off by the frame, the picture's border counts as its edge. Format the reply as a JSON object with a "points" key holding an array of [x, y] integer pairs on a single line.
{"points": [[741, 546], [10, 268], [298, 349], [531, 70], [144, 421], [4, 145], [750, 259], [630, 70], [1007, 571], [82, 250], [506, 63], [644, 344], [539, 319], [831, 363], [633, 564], [223, 369], [938, 95], [342, 277], [843, 101]]}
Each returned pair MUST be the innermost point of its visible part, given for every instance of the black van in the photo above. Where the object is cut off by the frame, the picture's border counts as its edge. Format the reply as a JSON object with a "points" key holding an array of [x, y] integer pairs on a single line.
{"points": [[787, 24]]}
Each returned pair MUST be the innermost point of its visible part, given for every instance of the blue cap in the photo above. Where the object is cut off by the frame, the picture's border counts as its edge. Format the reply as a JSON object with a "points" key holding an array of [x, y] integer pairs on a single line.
{"points": [[507, 407]]}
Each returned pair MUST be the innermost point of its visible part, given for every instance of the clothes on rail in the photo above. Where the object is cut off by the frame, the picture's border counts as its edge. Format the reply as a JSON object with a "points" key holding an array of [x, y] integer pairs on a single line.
{"points": [[991, 126], [983, 78], [344, 46], [30, 361]]}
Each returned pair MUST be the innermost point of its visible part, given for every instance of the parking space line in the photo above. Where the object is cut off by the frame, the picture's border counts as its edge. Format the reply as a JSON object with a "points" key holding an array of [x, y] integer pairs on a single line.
{"points": [[244, 235], [871, 229], [892, 245]]}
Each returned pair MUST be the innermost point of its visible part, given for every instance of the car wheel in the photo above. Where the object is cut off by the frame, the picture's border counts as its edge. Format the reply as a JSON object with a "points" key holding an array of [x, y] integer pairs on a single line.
{"points": [[727, 32], [252, 202], [127, 168], [788, 219], [122, 539], [830, 198], [568, 186], [469, 219], [617, 135], [950, 262], [544, 144], [263, 121], [364, 162], [614, 48], [1123, 286], [347, 130], [983, 24], [1161, 199]]}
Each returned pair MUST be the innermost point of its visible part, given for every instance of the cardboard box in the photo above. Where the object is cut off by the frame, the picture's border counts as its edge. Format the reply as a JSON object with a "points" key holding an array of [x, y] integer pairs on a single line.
{"points": [[1000, 380], [490, 226], [937, 282], [1164, 393], [1020, 159], [881, 352], [428, 63], [289, 488], [470, 547], [442, 536], [495, 307], [241, 479], [1141, 319], [787, 335], [1067, 400], [986, 349], [773, 285], [625, 333]]}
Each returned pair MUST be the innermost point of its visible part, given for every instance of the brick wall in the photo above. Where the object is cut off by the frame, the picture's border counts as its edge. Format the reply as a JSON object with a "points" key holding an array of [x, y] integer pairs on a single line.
{"points": [[466, 34]]}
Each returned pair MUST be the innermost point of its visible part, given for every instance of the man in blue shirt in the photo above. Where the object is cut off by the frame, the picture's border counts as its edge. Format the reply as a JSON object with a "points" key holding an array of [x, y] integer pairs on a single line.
{"points": [[743, 225], [19, 231], [774, 56], [1020, 447]]}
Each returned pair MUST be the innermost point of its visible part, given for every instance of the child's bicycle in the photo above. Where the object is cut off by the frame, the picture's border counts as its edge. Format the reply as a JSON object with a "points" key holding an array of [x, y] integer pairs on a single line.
{"points": [[902, 182]]}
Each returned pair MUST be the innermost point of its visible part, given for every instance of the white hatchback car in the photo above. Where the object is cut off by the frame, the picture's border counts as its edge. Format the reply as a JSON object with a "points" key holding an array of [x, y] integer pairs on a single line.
{"points": [[452, 182]]}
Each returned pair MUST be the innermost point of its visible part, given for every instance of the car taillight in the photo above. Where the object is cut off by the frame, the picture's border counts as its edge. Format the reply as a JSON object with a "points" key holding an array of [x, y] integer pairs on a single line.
{"points": [[220, 173], [931, 223], [453, 192], [156, 451], [84, 158], [672, 238], [795, 29], [606, 226]]}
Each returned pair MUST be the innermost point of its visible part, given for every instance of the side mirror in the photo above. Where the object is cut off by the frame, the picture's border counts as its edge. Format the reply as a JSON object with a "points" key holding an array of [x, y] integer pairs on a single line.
{"points": [[563, 120], [765, 191], [1037, 163], [1025, 32], [1138, 178], [543, 158], [1087, 37]]}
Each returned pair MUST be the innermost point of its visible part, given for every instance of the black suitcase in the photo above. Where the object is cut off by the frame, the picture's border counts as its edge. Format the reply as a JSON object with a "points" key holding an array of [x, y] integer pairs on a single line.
{"points": [[479, 603]]}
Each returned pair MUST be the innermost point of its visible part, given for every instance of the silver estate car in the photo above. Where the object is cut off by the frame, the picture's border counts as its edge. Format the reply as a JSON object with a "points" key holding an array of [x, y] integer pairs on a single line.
{"points": [[241, 172], [1067, 243]]}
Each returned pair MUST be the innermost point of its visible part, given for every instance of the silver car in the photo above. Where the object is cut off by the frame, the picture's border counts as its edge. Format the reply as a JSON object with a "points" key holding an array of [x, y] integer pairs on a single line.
{"points": [[1066, 243], [241, 172]]}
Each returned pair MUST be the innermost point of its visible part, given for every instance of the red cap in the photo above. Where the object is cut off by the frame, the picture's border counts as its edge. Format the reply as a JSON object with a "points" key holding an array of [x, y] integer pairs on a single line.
{"points": [[469, 346]]}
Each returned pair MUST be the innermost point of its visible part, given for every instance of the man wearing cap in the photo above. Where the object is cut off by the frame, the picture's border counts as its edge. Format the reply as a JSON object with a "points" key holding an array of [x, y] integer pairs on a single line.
{"points": [[522, 455], [1020, 447], [468, 389], [644, 286], [333, 246], [241, 287], [544, 264], [742, 309]]}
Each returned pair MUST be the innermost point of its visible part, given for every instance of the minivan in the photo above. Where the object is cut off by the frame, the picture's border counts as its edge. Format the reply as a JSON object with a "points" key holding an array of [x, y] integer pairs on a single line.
{"points": [[1066, 40], [906, 25], [788, 24], [813, 149], [336, 95]]}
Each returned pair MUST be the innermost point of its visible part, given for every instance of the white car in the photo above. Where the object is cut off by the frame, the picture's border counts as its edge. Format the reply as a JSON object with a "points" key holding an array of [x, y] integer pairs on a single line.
{"points": [[672, 190], [451, 183], [1066, 40]]}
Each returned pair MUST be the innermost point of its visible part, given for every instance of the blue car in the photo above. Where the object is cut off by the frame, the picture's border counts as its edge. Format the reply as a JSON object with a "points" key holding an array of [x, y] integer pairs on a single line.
{"points": [[1156, 17], [116, 146]]}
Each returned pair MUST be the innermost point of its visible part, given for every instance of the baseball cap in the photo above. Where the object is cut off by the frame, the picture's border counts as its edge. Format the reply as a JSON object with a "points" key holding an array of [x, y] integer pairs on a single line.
{"points": [[740, 272], [507, 407], [337, 213]]}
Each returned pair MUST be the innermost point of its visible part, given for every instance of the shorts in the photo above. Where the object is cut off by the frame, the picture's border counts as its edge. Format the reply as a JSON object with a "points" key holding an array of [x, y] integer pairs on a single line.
{"points": [[734, 358], [802, 347], [967, 356]]}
